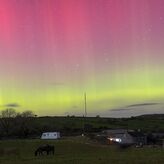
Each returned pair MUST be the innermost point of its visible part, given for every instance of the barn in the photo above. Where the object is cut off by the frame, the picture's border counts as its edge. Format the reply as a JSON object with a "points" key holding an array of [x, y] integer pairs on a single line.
{"points": [[123, 136], [50, 135]]}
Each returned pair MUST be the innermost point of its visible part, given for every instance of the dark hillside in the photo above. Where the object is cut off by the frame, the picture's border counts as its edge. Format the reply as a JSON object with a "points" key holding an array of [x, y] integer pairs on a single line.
{"points": [[72, 125]]}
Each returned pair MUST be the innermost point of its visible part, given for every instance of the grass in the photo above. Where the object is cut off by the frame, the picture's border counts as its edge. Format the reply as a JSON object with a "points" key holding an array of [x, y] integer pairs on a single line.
{"points": [[78, 151]]}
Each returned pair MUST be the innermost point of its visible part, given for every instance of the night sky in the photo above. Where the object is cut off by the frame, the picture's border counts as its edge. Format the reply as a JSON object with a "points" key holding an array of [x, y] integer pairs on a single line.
{"points": [[53, 51]]}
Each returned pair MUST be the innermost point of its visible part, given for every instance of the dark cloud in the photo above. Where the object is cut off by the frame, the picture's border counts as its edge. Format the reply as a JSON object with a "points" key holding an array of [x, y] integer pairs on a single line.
{"points": [[130, 107], [117, 110], [12, 105], [143, 104]]}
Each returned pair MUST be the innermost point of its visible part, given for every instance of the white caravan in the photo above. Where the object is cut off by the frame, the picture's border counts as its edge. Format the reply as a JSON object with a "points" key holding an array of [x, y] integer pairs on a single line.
{"points": [[50, 135]]}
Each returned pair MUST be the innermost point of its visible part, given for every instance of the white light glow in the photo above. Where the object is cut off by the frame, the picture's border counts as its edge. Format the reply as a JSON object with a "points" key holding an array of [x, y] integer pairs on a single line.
{"points": [[115, 139]]}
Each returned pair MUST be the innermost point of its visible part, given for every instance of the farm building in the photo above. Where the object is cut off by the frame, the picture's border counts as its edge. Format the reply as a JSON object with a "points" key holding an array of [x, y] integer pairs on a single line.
{"points": [[123, 136], [50, 135]]}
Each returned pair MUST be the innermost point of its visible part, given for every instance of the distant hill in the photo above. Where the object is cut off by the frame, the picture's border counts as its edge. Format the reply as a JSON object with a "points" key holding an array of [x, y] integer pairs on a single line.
{"points": [[72, 125], [155, 116], [150, 122]]}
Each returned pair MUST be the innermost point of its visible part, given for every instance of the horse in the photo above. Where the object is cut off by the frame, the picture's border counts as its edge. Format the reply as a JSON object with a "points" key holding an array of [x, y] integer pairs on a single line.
{"points": [[39, 151], [48, 149]]}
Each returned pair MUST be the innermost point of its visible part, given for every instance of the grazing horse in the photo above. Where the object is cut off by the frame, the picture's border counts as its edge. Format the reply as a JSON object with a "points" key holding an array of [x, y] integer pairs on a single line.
{"points": [[48, 149], [39, 151]]}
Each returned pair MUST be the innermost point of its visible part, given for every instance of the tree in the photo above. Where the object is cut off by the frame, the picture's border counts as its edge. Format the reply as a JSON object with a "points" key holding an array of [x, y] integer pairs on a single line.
{"points": [[8, 113], [6, 120], [24, 123], [28, 114]]}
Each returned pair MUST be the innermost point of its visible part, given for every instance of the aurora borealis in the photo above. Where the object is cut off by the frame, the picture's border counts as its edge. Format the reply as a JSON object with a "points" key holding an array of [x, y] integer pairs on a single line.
{"points": [[53, 51]]}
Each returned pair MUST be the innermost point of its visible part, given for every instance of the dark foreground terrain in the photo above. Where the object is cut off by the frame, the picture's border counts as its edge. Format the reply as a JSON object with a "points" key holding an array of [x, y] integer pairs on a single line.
{"points": [[76, 150]]}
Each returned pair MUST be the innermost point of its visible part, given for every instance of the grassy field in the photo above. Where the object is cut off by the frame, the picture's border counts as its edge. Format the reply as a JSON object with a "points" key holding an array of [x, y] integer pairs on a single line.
{"points": [[77, 150]]}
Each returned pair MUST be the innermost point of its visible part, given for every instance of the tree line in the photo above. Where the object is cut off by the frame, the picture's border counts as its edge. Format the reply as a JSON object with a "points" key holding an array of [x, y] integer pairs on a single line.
{"points": [[13, 123], [26, 124]]}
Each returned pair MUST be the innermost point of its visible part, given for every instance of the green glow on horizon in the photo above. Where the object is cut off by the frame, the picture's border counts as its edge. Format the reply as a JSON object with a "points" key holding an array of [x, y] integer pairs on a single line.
{"points": [[104, 95]]}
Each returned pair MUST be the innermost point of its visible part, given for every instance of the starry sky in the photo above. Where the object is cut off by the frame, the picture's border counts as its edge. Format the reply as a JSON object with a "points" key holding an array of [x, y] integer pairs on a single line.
{"points": [[53, 51]]}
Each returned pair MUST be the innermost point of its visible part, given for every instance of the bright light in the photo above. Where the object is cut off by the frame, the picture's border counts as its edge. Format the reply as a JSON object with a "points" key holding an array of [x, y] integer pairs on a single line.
{"points": [[115, 139], [118, 140]]}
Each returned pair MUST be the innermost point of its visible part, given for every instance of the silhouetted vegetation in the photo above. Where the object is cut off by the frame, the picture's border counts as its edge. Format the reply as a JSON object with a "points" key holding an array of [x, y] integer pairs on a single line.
{"points": [[27, 125], [14, 124]]}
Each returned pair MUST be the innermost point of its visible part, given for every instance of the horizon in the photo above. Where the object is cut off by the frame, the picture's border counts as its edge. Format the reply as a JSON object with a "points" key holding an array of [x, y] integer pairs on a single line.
{"points": [[98, 116], [52, 52]]}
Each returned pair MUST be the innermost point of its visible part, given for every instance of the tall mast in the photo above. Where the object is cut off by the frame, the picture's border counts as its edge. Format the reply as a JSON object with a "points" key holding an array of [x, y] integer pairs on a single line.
{"points": [[85, 104]]}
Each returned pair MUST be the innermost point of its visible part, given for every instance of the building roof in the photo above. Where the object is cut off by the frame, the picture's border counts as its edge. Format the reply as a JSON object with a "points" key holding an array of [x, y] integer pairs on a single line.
{"points": [[115, 131], [136, 134]]}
